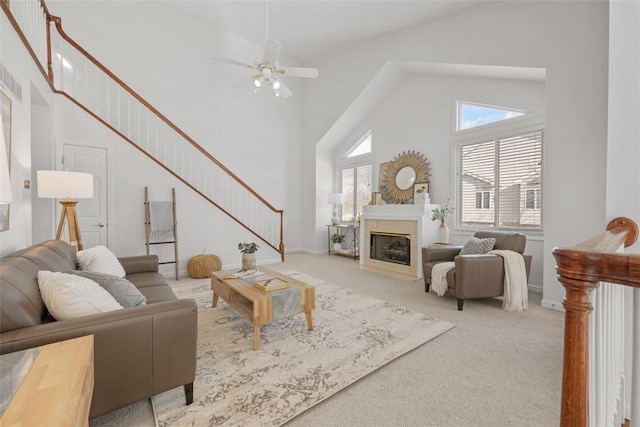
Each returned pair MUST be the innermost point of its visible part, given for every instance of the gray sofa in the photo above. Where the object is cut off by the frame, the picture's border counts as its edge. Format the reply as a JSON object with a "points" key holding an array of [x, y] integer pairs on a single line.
{"points": [[138, 351]]}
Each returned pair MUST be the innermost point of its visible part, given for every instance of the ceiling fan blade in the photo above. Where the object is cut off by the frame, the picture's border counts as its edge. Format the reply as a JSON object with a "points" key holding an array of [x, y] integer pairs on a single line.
{"points": [[271, 51], [310, 73], [284, 90], [234, 62]]}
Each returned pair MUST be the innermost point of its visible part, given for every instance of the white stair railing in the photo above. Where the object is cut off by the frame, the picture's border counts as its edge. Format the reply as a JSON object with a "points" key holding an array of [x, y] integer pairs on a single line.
{"points": [[606, 352], [77, 75]]}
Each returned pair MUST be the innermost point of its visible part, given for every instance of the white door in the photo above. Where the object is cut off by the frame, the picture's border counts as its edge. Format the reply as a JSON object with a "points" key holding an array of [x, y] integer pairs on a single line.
{"points": [[92, 213]]}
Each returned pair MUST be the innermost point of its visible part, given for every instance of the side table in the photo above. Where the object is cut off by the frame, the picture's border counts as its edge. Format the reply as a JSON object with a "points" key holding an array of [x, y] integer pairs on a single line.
{"points": [[345, 230], [58, 387]]}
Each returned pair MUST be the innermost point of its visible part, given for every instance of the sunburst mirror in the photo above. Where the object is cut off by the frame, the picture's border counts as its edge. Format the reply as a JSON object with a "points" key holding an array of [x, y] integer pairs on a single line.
{"points": [[401, 174]]}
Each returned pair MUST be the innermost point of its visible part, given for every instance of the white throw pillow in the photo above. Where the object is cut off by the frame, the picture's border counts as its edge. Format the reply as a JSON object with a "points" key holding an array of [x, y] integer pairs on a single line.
{"points": [[101, 260], [68, 296]]}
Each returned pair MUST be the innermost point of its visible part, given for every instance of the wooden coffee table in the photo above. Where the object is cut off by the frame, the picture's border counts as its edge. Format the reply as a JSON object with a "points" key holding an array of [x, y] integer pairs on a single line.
{"points": [[260, 307]]}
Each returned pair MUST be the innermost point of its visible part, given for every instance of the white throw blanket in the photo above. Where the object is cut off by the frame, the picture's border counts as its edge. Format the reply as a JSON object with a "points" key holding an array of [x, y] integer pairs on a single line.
{"points": [[439, 276], [516, 293], [161, 222]]}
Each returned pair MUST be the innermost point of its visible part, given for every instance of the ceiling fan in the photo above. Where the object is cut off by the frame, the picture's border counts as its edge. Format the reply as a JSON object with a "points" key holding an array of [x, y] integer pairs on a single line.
{"points": [[269, 69]]}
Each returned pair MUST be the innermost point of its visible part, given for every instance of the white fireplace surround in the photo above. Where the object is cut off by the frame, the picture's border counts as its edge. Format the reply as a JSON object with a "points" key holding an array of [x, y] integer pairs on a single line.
{"points": [[413, 220]]}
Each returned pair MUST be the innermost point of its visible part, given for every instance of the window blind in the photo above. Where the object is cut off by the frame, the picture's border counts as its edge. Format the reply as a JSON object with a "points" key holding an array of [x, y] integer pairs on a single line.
{"points": [[510, 171], [356, 191]]}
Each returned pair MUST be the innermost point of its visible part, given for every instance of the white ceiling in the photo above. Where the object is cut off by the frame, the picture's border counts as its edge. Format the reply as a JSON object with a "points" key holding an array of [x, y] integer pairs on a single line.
{"points": [[310, 28]]}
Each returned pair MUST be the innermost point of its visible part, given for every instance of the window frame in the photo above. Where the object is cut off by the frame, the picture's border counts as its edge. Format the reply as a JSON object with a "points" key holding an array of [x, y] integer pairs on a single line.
{"points": [[497, 131], [345, 162]]}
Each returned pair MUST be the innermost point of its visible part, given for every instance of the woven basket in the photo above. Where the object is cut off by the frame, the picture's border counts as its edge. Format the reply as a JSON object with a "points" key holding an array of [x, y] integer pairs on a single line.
{"points": [[201, 266]]}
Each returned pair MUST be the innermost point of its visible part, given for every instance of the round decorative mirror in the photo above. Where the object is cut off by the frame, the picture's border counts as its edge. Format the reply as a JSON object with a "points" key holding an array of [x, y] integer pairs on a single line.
{"points": [[405, 178], [399, 176]]}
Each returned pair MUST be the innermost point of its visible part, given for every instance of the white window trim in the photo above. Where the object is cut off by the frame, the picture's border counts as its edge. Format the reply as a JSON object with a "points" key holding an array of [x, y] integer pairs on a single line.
{"points": [[501, 130]]}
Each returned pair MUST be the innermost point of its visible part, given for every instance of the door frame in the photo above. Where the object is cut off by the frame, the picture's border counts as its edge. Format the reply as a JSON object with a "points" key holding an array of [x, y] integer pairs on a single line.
{"points": [[59, 150]]}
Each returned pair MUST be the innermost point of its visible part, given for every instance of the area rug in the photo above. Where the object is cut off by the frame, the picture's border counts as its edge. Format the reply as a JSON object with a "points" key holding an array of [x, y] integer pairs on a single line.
{"points": [[294, 368]]}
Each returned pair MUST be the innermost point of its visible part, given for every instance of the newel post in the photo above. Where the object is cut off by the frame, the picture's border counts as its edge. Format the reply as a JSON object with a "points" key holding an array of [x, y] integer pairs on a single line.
{"points": [[575, 371]]}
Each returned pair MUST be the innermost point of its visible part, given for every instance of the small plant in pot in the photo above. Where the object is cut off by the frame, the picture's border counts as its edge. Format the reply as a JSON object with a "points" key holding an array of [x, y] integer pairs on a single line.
{"points": [[248, 251], [337, 241]]}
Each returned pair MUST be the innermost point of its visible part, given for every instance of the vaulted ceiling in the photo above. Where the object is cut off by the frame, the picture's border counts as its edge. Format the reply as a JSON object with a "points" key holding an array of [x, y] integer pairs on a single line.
{"points": [[310, 28]]}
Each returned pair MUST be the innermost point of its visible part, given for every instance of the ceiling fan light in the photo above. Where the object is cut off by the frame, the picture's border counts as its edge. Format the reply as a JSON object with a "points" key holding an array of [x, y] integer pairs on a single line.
{"points": [[275, 85], [257, 82], [276, 94]]}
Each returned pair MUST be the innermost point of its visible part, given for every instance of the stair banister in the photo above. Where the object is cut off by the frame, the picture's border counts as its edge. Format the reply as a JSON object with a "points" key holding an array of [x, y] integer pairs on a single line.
{"points": [[580, 270], [228, 200]]}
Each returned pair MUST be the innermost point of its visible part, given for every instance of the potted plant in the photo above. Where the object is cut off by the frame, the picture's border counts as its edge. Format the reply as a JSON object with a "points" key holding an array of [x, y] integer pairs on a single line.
{"points": [[248, 251], [337, 241], [441, 214]]}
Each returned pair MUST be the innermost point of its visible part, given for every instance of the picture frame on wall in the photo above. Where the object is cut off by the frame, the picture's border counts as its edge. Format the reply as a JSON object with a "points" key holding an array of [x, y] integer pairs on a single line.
{"points": [[5, 113], [381, 179]]}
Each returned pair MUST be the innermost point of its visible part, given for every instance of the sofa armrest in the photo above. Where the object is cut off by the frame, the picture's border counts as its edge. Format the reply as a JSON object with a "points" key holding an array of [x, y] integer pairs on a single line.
{"points": [[140, 264], [444, 253], [138, 351]]}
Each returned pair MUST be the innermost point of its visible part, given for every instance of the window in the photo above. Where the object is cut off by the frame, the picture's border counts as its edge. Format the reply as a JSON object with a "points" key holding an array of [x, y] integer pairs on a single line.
{"points": [[507, 171], [356, 191], [362, 147], [473, 115], [533, 199], [482, 200]]}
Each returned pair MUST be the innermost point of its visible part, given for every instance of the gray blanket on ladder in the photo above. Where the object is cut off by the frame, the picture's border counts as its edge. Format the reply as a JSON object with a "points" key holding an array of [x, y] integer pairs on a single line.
{"points": [[161, 222]]}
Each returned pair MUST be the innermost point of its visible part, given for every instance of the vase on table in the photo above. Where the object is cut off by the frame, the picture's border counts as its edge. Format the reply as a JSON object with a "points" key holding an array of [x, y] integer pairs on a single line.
{"points": [[248, 261], [443, 232], [337, 247]]}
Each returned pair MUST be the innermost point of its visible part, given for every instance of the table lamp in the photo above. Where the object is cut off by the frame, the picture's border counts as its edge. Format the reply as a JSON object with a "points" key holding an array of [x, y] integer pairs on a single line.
{"points": [[335, 199], [66, 185]]}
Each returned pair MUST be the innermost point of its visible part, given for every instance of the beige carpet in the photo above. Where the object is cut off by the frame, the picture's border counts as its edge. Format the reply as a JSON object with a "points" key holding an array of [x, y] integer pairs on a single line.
{"points": [[294, 368], [494, 369]]}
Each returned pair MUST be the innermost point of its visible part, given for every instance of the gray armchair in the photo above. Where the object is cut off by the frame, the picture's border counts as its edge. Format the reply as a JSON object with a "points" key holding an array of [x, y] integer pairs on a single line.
{"points": [[475, 276]]}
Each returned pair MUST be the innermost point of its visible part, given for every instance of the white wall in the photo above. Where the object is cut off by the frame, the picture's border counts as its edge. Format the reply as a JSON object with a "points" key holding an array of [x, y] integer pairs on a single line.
{"points": [[623, 140], [568, 39], [18, 62], [167, 59]]}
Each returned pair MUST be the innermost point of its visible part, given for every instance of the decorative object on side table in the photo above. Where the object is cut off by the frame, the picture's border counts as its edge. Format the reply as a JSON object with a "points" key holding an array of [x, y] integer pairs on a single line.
{"points": [[441, 215], [334, 199], [337, 240], [248, 251], [421, 193]]}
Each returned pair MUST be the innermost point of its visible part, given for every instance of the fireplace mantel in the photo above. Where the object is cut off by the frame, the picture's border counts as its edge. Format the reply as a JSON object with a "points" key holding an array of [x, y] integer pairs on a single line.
{"points": [[414, 220]]}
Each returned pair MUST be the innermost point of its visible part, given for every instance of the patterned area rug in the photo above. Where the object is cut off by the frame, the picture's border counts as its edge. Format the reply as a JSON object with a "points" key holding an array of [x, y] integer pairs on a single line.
{"points": [[294, 368]]}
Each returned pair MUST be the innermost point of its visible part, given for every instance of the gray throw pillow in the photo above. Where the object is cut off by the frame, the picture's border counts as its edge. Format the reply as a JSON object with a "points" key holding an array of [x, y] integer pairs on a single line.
{"points": [[121, 289], [477, 246]]}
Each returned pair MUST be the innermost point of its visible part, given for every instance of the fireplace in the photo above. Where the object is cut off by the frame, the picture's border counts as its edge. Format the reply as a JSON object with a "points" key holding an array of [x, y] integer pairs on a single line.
{"points": [[393, 237], [391, 247]]}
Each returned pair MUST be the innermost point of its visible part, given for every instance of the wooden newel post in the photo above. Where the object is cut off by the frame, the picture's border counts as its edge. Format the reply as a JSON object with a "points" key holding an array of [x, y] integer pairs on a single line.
{"points": [[575, 372]]}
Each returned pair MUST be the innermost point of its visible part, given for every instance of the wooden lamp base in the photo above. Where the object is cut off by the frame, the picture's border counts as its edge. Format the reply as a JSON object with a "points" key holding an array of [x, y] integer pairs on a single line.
{"points": [[69, 213]]}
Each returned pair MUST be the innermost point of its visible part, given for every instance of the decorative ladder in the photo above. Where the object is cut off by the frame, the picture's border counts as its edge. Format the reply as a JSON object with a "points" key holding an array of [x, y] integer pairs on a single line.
{"points": [[72, 72], [593, 379]]}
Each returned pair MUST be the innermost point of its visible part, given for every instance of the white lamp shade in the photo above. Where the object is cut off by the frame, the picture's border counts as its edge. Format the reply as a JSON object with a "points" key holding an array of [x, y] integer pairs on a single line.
{"points": [[334, 199], [5, 177], [64, 184]]}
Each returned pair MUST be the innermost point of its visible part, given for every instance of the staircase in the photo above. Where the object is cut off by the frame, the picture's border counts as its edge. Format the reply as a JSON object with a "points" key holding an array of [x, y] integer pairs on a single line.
{"points": [[72, 72]]}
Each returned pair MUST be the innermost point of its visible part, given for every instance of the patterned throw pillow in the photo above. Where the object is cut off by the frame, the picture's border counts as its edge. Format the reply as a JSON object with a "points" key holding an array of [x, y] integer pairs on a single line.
{"points": [[121, 289], [68, 296], [477, 246], [100, 259]]}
